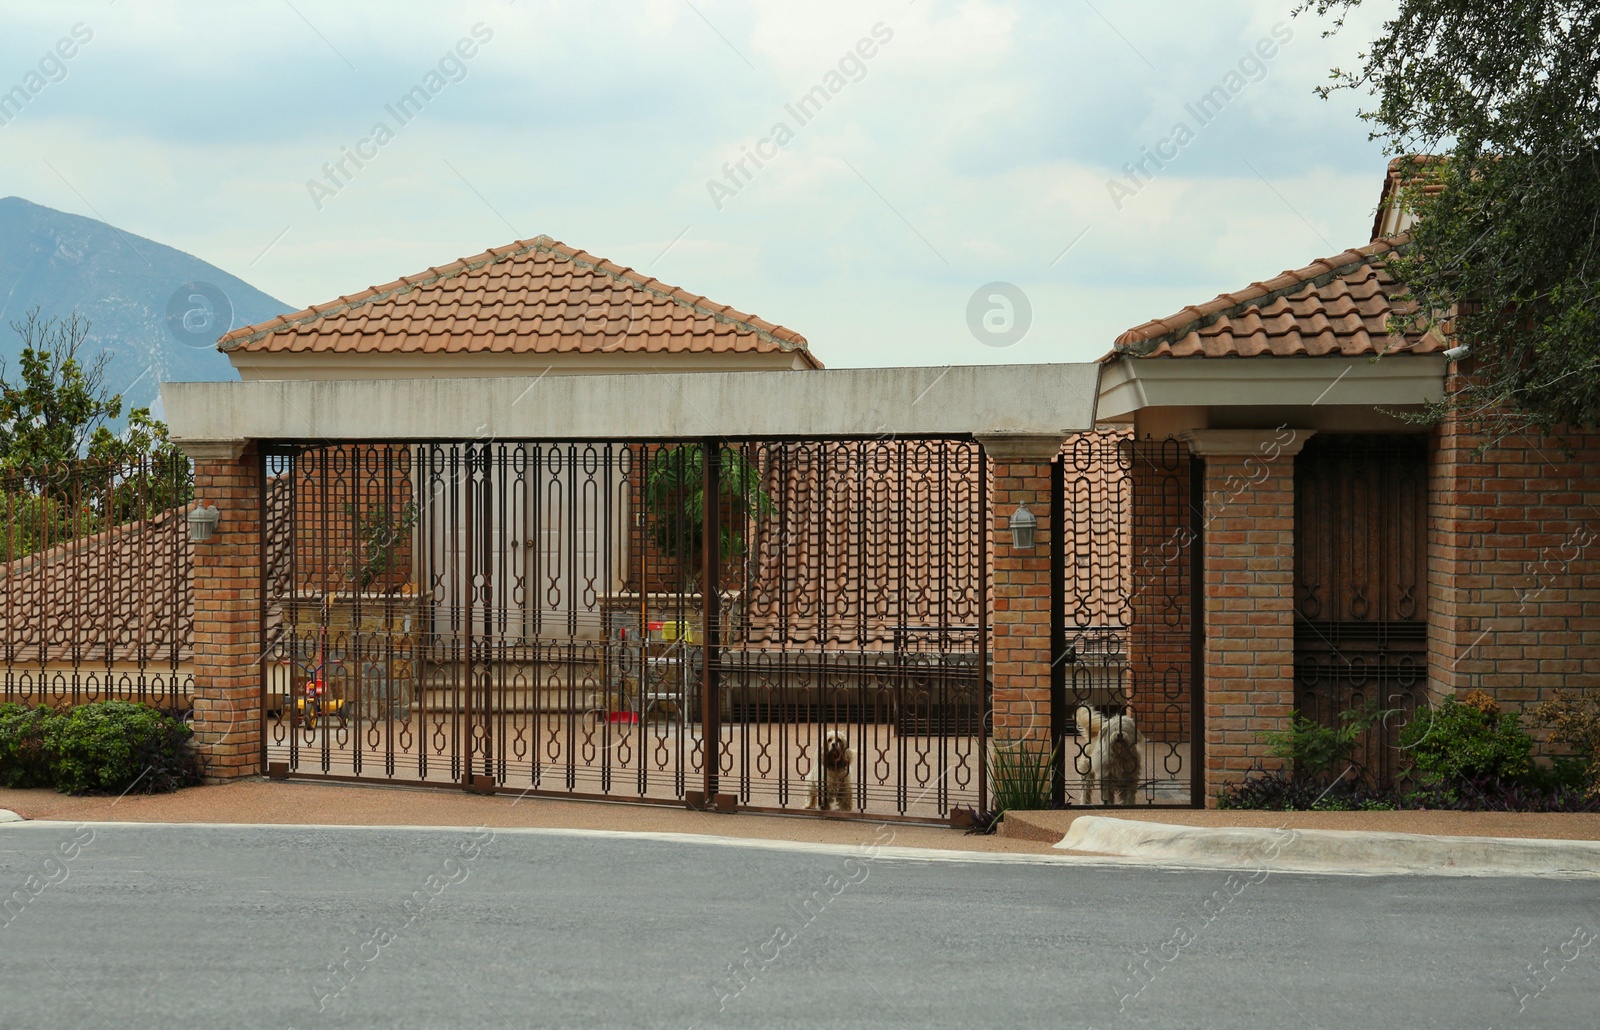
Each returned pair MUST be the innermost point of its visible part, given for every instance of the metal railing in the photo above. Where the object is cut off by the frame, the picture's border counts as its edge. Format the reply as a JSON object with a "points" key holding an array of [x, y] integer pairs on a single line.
{"points": [[95, 583]]}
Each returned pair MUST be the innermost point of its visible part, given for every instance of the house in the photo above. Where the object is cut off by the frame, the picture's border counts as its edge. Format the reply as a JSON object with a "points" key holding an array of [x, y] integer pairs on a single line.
{"points": [[1353, 555], [442, 481]]}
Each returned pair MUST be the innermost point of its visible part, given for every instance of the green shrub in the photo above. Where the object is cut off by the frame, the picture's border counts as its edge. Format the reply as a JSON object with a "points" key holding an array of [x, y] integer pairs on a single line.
{"points": [[1021, 775], [113, 746], [1468, 739], [1315, 751], [1574, 720], [23, 759], [1564, 773]]}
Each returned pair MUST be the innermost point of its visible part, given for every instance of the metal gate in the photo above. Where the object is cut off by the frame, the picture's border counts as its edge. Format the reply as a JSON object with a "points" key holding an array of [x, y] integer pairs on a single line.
{"points": [[1360, 622], [1127, 646], [631, 621]]}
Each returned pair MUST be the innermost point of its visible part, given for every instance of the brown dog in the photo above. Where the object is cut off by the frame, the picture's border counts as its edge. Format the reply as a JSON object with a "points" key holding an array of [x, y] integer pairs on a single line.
{"points": [[830, 778]]}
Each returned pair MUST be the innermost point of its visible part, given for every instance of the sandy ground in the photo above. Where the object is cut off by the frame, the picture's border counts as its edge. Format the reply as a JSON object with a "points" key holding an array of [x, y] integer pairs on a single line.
{"points": [[270, 801]]}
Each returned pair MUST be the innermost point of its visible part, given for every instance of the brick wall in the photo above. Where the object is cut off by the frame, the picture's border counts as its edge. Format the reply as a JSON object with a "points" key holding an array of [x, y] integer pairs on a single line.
{"points": [[227, 618], [1514, 566], [1020, 600]]}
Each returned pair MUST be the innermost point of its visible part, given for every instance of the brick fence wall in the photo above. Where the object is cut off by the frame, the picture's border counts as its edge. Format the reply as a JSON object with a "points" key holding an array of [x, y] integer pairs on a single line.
{"points": [[1514, 566]]}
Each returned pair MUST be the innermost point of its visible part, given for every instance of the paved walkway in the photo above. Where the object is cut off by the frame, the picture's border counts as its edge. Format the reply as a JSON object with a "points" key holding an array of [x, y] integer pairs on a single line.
{"points": [[270, 801]]}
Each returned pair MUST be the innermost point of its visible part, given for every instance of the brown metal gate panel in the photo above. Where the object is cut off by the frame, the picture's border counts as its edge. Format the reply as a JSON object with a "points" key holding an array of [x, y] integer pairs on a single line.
{"points": [[631, 621], [1361, 583], [96, 600], [1126, 637]]}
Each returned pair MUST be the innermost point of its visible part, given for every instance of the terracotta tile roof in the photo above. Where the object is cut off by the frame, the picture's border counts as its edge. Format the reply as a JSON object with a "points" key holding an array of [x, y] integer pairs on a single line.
{"points": [[1339, 305], [534, 296]]}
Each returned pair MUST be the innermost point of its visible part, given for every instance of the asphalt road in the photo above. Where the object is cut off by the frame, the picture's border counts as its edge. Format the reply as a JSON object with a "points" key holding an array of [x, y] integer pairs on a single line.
{"points": [[166, 927]]}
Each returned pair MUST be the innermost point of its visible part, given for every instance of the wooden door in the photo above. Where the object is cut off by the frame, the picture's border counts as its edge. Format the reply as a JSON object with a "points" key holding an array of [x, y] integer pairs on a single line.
{"points": [[1361, 583]]}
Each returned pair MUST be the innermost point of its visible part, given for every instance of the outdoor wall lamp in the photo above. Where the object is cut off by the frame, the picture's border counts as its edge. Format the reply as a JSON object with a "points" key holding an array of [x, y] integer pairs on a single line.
{"points": [[203, 523], [1022, 526]]}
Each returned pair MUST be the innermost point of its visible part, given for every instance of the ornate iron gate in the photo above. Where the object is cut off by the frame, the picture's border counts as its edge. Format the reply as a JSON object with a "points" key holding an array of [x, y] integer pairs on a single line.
{"points": [[1361, 633], [631, 621], [96, 601], [1128, 642]]}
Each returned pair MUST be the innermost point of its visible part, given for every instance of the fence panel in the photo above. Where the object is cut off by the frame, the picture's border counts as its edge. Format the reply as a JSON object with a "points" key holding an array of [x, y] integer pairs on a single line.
{"points": [[96, 599]]}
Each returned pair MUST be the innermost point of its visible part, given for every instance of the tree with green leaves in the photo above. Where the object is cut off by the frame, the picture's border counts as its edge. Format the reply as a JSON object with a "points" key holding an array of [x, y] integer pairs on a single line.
{"points": [[55, 412], [1505, 259], [63, 473], [674, 493]]}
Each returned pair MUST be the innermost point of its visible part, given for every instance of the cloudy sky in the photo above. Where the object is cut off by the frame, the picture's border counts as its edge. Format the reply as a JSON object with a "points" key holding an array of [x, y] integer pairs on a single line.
{"points": [[948, 144]]}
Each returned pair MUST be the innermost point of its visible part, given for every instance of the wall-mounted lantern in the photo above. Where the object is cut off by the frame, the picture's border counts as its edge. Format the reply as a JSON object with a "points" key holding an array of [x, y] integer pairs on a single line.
{"points": [[203, 523], [1023, 526]]}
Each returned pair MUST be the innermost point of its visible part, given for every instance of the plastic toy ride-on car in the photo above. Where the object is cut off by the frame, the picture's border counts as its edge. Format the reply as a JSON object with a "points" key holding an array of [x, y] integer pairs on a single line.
{"points": [[316, 703]]}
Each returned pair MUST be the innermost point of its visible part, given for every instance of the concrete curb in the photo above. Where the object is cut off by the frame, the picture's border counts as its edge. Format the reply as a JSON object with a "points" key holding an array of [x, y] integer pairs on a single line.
{"points": [[8, 816], [1321, 851]]}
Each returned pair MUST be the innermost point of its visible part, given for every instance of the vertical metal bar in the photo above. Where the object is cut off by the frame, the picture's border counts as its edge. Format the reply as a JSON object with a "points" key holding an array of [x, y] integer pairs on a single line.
{"points": [[1197, 632], [1058, 631], [987, 706], [325, 605], [464, 731], [493, 558], [263, 564], [710, 604]]}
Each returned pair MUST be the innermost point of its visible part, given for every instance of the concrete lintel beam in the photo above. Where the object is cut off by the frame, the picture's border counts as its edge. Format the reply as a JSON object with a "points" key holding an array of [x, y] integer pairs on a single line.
{"points": [[1050, 400], [212, 450], [1022, 446], [1264, 443]]}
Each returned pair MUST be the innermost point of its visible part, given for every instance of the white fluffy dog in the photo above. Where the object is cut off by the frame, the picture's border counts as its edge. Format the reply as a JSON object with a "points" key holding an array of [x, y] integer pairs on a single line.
{"points": [[830, 778], [1109, 754]]}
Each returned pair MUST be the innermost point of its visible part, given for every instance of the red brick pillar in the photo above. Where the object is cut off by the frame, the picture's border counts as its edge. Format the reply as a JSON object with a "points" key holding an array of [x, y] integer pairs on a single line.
{"points": [[1456, 497], [1019, 592], [227, 611], [1248, 594]]}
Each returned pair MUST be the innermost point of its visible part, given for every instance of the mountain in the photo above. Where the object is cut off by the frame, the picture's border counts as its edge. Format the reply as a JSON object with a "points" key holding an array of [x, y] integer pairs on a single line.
{"points": [[158, 310]]}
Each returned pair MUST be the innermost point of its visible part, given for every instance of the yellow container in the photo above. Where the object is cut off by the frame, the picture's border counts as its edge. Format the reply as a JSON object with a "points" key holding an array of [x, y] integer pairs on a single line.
{"points": [[680, 630]]}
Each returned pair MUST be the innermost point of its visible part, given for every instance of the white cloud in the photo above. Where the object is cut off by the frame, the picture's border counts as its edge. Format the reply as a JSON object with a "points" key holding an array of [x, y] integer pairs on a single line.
{"points": [[989, 128]]}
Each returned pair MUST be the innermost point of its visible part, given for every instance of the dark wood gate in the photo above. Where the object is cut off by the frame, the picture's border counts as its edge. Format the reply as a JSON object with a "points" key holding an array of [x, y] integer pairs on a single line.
{"points": [[1361, 583]]}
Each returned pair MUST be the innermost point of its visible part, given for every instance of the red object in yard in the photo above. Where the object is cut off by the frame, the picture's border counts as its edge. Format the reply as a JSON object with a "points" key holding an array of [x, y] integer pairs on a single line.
{"points": [[624, 717]]}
